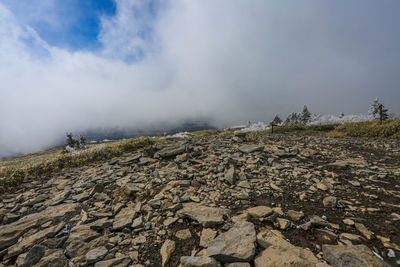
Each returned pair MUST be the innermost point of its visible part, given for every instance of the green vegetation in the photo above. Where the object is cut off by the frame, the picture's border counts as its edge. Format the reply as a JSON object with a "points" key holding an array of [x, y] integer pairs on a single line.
{"points": [[205, 132], [388, 129], [11, 176]]}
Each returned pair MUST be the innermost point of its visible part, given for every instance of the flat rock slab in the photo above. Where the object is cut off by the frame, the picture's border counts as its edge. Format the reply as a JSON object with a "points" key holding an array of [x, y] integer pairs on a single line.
{"points": [[355, 256], [251, 148], [10, 233], [204, 261], [235, 245], [124, 218], [259, 211], [285, 256], [207, 216], [96, 254], [170, 151], [29, 241]]}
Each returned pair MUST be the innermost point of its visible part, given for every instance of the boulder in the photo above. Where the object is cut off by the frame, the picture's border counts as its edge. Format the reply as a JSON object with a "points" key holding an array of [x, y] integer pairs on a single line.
{"points": [[235, 245], [353, 255], [207, 216]]}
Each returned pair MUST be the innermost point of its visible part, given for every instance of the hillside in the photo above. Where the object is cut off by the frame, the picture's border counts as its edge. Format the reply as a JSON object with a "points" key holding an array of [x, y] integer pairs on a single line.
{"points": [[280, 200]]}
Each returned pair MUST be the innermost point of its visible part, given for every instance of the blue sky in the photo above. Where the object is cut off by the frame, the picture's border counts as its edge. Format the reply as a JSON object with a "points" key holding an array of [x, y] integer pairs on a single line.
{"points": [[71, 24]]}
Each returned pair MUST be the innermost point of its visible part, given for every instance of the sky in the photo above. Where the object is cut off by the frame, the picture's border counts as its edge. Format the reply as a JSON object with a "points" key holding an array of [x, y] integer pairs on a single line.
{"points": [[72, 65]]}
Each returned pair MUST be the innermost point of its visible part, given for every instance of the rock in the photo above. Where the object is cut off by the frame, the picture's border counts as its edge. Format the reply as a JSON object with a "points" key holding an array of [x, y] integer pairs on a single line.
{"points": [[112, 262], [187, 261], [101, 224], [250, 148], [138, 222], [124, 218], [329, 202], [96, 254], [230, 175], [325, 236], [53, 258], [183, 234], [82, 233], [322, 186], [10, 233], [283, 223], [275, 187], [363, 230], [267, 238], [259, 211], [98, 188], [314, 221], [235, 245], [285, 256], [349, 222], [34, 255], [295, 215], [170, 151], [244, 184], [207, 216], [206, 236], [355, 183], [169, 221], [166, 250], [238, 264], [29, 241], [355, 256], [351, 237]]}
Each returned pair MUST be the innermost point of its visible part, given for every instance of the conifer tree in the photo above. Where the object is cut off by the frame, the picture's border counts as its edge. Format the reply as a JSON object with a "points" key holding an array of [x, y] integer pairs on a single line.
{"points": [[305, 116], [276, 120]]}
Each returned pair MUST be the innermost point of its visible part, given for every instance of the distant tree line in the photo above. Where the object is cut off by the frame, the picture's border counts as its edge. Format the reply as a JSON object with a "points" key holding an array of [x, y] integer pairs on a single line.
{"points": [[377, 111]]}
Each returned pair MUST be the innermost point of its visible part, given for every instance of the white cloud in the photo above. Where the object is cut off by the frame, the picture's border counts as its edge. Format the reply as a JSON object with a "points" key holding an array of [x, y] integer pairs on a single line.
{"points": [[233, 61]]}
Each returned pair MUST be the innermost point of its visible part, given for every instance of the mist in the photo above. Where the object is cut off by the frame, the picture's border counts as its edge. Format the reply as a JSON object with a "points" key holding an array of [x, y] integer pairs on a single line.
{"points": [[230, 61]]}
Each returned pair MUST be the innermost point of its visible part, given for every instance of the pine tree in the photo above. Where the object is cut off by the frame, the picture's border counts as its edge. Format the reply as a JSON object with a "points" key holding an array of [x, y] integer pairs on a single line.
{"points": [[373, 111], [70, 140], [383, 115], [378, 111], [305, 116], [276, 120], [82, 142]]}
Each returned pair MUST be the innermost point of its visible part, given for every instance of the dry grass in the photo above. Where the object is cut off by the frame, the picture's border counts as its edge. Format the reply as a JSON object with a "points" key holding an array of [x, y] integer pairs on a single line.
{"points": [[373, 129], [50, 161]]}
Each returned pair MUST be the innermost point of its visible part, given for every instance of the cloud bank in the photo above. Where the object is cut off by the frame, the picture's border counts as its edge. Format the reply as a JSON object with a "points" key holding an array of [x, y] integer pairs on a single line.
{"points": [[166, 61]]}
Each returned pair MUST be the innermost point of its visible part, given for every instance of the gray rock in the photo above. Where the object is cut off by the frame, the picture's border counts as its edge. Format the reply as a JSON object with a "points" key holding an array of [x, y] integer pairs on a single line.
{"points": [[34, 255], [170, 151], [251, 148], [352, 255], [10, 233], [29, 241], [124, 218], [235, 245], [187, 261], [237, 264], [260, 211], [207, 216], [53, 258], [96, 254], [166, 250], [329, 202], [230, 175]]}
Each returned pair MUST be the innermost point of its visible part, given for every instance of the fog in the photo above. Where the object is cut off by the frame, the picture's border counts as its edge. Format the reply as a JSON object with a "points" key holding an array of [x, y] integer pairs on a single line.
{"points": [[230, 61]]}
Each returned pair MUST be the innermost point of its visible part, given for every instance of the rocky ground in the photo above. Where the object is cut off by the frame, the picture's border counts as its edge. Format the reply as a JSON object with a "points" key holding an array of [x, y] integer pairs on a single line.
{"points": [[273, 200]]}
